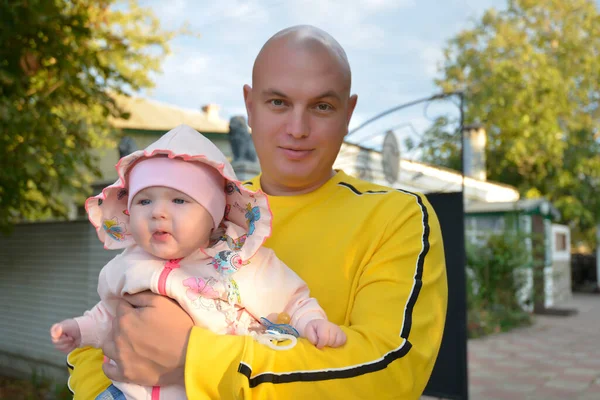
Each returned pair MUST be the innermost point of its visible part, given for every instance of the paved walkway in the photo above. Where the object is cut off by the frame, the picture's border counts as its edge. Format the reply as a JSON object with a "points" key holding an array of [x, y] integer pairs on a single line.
{"points": [[556, 358]]}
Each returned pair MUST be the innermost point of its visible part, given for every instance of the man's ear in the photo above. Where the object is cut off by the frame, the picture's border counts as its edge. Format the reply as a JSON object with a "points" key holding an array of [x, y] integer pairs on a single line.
{"points": [[351, 106], [248, 103]]}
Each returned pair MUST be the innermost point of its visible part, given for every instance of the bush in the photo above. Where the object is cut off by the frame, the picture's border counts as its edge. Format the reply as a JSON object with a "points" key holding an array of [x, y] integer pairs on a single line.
{"points": [[496, 276]]}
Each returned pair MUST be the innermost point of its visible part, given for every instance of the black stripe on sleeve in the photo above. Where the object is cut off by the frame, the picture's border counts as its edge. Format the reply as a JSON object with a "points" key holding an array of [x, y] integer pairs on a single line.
{"points": [[376, 365], [418, 278], [358, 192], [323, 375]]}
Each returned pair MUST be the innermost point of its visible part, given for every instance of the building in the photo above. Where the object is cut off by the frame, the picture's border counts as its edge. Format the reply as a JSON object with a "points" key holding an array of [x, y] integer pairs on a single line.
{"points": [[490, 207], [50, 269], [535, 219], [149, 119]]}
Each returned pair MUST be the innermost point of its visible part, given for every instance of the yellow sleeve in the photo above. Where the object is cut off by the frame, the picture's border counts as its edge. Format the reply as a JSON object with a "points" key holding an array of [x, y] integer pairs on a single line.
{"points": [[86, 378], [394, 334]]}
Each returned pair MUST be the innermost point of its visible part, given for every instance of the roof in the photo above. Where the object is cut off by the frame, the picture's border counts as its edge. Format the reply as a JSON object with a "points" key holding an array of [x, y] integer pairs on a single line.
{"points": [[422, 177], [538, 205], [448, 171], [153, 115]]}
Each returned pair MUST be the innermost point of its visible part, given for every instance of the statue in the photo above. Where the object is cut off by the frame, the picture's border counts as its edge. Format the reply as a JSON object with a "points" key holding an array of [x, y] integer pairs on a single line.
{"points": [[126, 146], [240, 140]]}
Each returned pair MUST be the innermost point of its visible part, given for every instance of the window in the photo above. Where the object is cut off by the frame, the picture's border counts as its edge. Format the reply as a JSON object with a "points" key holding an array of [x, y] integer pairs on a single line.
{"points": [[479, 228], [560, 240]]}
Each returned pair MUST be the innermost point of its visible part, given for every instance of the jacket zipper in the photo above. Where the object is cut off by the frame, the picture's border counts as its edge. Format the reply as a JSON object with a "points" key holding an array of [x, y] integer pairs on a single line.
{"points": [[162, 290]]}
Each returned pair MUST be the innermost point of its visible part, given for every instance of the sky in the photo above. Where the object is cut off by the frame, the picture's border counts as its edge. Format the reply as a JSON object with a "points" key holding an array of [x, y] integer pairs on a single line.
{"points": [[394, 48]]}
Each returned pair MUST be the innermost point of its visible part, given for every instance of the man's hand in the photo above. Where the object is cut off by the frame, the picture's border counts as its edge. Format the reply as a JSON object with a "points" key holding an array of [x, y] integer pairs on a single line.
{"points": [[148, 341]]}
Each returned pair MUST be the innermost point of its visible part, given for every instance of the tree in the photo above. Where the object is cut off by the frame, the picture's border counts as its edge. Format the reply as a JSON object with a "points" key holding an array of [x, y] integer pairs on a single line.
{"points": [[61, 63], [439, 145], [531, 74]]}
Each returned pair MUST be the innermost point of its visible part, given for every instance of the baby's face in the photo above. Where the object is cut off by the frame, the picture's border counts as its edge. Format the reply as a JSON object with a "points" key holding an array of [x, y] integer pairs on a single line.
{"points": [[169, 224]]}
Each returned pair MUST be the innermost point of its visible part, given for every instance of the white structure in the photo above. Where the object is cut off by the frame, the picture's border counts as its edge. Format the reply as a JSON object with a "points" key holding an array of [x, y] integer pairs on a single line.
{"points": [[420, 177], [558, 273], [489, 207], [529, 216]]}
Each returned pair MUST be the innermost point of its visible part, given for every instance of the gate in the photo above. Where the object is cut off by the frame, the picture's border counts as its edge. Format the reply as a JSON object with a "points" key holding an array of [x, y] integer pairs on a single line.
{"points": [[449, 378], [400, 149]]}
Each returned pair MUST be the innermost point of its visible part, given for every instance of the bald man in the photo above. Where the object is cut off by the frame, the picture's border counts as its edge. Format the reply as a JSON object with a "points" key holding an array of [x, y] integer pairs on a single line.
{"points": [[371, 255]]}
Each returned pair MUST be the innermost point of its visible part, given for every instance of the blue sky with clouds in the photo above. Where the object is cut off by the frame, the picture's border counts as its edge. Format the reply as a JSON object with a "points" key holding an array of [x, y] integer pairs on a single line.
{"points": [[393, 47]]}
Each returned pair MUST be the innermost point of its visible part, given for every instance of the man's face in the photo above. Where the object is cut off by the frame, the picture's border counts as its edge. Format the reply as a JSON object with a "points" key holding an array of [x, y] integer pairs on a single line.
{"points": [[299, 110]]}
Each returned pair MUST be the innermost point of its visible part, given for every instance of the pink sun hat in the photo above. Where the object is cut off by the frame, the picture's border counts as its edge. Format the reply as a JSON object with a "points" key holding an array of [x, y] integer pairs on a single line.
{"points": [[199, 181]]}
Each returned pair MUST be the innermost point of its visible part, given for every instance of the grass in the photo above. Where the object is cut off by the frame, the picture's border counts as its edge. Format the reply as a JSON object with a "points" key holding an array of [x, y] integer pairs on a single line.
{"points": [[34, 388]]}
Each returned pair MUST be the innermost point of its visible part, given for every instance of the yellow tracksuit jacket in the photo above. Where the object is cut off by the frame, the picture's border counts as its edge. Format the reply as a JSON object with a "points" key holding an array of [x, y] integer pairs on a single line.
{"points": [[374, 259]]}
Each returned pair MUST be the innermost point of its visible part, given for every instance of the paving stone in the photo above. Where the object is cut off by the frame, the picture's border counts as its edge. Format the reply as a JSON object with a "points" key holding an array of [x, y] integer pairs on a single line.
{"points": [[588, 396], [496, 394], [556, 358], [522, 378], [514, 364], [473, 390], [518, 387], [557, 363], [594, 388], [532, 356], [587, 379], [567, 385], [492, 356], [590, 363], [482, 373], [582, 371], [550, 393]]}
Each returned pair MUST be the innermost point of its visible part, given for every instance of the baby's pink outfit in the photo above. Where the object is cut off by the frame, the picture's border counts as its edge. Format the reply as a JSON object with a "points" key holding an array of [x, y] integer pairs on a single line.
{"points": [[225, 288]]}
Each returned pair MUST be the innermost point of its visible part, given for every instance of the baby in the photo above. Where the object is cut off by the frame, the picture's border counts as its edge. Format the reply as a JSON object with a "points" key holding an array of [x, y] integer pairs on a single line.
{"points": [[193, 232]]}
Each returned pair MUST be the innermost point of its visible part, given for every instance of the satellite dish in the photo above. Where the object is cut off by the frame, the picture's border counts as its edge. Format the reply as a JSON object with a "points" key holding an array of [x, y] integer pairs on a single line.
{"points": [[390, 157]]}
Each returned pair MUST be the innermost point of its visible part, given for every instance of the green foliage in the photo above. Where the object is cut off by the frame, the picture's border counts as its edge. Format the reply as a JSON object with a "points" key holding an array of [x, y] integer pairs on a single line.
{"points": [[60, 63], [440, 145], [531, 74], [496, 274]]}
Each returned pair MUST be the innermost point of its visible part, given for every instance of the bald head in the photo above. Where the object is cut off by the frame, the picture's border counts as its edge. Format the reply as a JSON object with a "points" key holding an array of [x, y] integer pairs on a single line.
{"points": [[299, 107], [306, 38]]}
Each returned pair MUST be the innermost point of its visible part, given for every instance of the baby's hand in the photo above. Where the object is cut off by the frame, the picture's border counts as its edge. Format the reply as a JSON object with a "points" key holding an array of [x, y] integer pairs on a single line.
{"points": [[323, 333], [66, 335]]}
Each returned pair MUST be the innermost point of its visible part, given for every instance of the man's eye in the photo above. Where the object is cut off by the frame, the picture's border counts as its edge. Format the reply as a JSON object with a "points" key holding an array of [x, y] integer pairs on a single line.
{"points": [[178, 201], [324, 107], [277, 102]]}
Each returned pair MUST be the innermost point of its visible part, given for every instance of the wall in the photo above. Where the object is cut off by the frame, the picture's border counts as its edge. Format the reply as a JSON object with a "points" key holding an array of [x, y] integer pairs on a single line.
{"points": [[49, 273]]}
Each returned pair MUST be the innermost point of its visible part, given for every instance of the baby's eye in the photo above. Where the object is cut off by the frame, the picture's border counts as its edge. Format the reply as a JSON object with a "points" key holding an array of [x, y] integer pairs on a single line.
{"points": [[178, 201], [144, 202]]}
